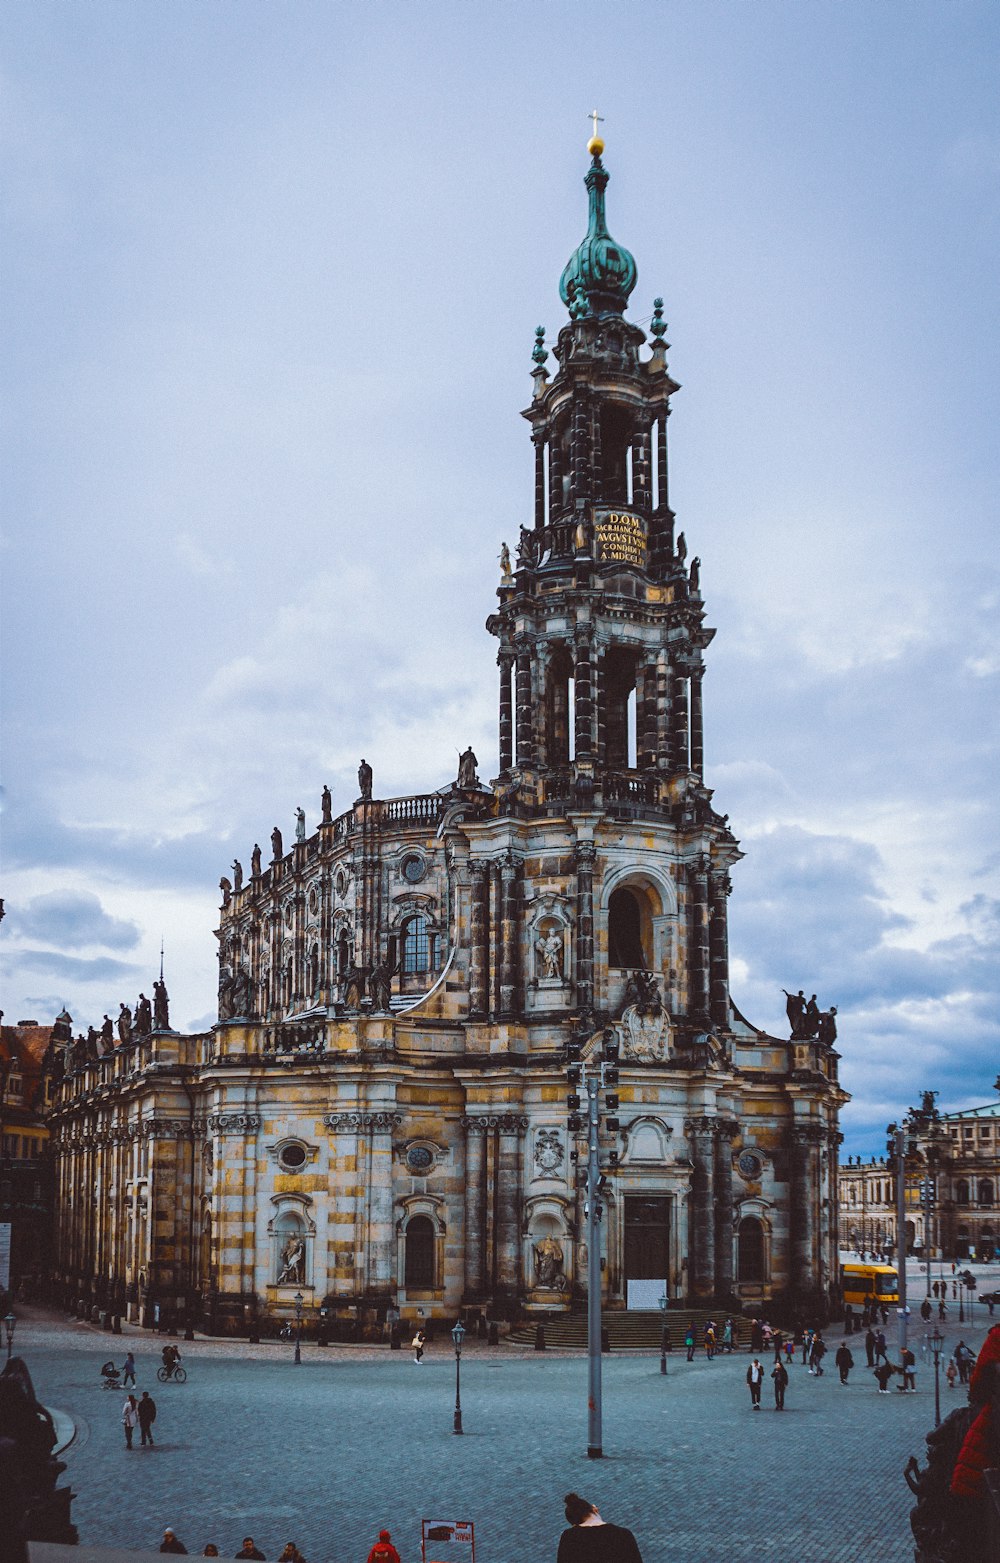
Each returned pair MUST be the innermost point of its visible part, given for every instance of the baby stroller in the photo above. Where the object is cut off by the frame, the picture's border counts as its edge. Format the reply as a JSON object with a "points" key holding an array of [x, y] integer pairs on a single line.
{"points": [[111, 1376]]}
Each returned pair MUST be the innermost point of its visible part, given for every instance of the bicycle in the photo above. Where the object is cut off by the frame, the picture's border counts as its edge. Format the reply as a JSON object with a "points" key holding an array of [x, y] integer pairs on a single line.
{"points": [[166, 1375]]}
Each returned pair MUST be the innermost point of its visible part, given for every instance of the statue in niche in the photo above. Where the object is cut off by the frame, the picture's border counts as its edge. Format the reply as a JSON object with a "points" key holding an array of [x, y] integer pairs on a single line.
{"points": [[277, 849], [550, 948], [365, 778], [827, 1032], [505, 572], [292, 1265], [326, 804], [255, 861], [300, 823], [143, 1016], [549, 1265], [468, 776], [238, 994], [161, 1006], [124, 1024], [237, 876]]}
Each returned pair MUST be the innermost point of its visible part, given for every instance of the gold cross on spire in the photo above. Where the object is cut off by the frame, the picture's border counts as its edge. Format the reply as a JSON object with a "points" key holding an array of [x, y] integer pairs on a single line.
{"points": [[595, 146]]}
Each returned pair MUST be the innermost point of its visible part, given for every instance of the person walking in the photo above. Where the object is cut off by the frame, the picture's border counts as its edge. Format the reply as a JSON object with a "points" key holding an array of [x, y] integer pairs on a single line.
{"points": [[909, 1376], [128, 1370], [880, 1351], [147, 1416], [590, 1539], [942, 1309], [250, 1550], [418, 1342], [844, 1361], [170, 1543], [291, 1554], [755, 1374], [951, 1373], [965, 1357], [689, 1342], [779, 1373], [710, 1341], [817, 1352], [925, 1309], [727, 1337], [807, 1340], [756, 1335], [130, 1419], [383, 1551]]}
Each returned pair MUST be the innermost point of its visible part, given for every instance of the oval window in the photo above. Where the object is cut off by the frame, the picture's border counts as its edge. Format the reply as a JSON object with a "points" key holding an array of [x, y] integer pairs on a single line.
{"points": [[292, 1156]]}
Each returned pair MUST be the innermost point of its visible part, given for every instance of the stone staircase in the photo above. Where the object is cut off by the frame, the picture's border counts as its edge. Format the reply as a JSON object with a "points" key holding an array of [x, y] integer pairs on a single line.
{"points": [[630, 1331]]}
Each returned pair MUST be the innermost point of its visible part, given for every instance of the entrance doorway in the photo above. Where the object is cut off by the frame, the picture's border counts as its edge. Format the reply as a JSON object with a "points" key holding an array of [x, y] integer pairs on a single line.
{"points": [[647, 1249]]}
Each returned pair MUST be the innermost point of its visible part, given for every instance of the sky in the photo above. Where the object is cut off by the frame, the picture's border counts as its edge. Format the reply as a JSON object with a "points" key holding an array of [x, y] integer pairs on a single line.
{"points": [[272, 273]]}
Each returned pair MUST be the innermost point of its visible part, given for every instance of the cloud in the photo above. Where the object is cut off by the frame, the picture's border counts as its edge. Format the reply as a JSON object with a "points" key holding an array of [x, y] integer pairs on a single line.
{"points": [[73, 919], [73, 968]]}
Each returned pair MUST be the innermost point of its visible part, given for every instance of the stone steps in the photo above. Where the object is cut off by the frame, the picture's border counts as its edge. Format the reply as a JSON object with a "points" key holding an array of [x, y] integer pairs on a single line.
{"points": [[630, 1330]]}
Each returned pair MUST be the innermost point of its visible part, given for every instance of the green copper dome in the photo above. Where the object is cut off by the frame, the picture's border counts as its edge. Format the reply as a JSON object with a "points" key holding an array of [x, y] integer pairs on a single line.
{"points": [[600, 274]]}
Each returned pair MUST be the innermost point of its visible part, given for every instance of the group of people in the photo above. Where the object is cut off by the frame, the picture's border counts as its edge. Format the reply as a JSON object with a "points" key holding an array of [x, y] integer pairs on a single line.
{"points": [[382, 1552], [711, 1339]]}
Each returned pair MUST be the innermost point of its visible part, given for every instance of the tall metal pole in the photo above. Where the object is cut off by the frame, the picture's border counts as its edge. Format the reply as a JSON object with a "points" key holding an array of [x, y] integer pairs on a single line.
{"points": [[594, 1449], [901, 1234]]}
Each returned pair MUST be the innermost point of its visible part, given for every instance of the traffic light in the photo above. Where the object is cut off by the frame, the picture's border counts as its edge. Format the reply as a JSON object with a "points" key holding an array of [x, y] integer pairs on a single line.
{"points": [[573, 1101], [611, 1074], [611, 1101], [574, 1050], [612, 1125], [573, 1074], [573, 1123], [611, 1046], [613, 1158]]}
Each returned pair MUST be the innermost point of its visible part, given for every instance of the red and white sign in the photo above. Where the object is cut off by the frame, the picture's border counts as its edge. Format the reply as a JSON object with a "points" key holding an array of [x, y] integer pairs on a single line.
{"points": [[441, 1533]]}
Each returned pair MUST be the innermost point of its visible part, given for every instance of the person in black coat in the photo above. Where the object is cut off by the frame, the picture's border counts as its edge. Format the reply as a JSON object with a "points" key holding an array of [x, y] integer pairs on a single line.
{"points": [[844, 1361], [870, 1347], [779, 1374], [147, 1416], [591, 1539]]}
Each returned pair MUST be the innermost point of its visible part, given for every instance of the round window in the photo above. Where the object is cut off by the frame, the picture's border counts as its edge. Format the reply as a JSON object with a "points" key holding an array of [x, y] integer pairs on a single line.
{"points": [[419, 1159], [414, 868], [292, 1156], [750, 1164]]}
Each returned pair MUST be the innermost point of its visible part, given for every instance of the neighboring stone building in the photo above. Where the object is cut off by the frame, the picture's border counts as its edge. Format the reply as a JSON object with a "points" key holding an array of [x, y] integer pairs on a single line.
{"points": [[379, 1119], [25, 1183], [960, 1153]]}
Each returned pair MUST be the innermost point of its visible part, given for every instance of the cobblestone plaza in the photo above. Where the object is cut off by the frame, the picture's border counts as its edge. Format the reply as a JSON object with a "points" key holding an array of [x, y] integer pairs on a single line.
{"points": [[354, 1439]]}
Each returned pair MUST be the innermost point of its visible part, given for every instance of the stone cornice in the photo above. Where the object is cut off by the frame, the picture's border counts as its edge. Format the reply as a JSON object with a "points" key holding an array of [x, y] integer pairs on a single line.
{"points": [[507, 1123], [353, 1123], [234, 1123]]}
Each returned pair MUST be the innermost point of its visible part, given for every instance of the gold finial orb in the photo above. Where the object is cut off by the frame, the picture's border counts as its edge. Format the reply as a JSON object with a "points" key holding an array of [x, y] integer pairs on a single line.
{"points": [[595, 146]]}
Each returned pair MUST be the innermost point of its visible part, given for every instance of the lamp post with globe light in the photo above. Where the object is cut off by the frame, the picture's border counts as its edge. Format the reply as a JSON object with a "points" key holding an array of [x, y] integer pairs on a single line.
{"points": [[298, 1327], [458, 1336], [937, 1341]]}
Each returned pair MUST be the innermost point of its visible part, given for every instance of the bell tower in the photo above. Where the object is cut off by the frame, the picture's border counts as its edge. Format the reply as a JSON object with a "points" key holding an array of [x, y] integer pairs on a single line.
{"points": [[601, 620]]}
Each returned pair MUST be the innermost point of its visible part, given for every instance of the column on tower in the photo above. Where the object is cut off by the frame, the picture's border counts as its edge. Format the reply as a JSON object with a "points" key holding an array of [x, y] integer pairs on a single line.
{"points": [[803, 1195], [585, 855], [601, 700], [664, 711], [719, 886], [698, 946], [555, 475], [506, 662], [641, 496], [583, 716], [680, 705], [509, 943], [697, 728], [479, 954], [701, 1226], [381, 1227], [523, 711], [646, 692], [538, 440]]}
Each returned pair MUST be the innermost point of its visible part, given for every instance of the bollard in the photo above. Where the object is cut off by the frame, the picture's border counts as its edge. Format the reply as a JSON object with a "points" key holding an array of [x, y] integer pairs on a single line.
{"points": [[106, 1321], [539, 1337], [395, 1338], [605, 1339], [116, 1324]]}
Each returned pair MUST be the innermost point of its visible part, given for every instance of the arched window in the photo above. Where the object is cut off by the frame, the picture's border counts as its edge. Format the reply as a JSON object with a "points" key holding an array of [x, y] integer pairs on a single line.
{"points": [[418, 946], [626, 945], [750, 1250], [962, 1192], [559, 708], [420, 1252], [343, 953], [314, 970], [986, 1191]]}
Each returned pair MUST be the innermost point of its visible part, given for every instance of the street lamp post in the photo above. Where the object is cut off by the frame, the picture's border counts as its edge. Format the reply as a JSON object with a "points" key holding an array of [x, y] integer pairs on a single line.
{"points": [[663, 1335], [937, 1341], [10, 1324], [298, 1327], [458, 1336]]}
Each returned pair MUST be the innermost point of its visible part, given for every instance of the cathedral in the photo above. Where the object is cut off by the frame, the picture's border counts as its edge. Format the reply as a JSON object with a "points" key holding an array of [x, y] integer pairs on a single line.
{"points": [[381, 1121]]}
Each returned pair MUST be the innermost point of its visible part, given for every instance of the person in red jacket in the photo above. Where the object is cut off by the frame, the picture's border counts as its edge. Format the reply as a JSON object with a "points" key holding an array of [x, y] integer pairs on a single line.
{"points": [[976, 1452], [383, 1550]]}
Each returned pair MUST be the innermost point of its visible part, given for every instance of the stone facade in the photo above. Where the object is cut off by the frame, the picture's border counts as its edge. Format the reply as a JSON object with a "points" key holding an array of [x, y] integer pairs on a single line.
{"points": [[960, 1152], [379, 1118]]}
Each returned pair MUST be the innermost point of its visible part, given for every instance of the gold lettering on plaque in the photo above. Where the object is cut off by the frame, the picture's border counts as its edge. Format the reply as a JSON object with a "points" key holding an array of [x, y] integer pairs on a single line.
{"points": [[621, 537]]}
